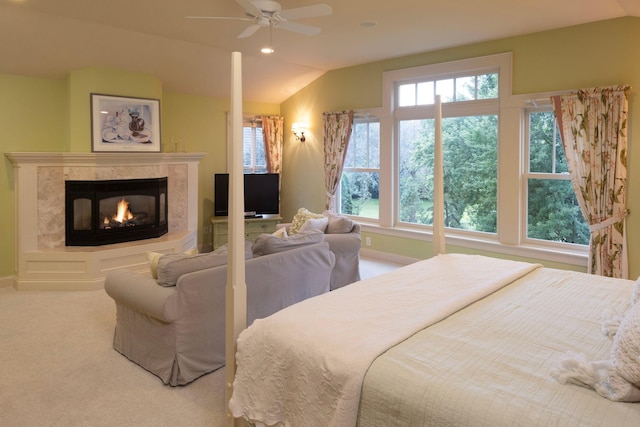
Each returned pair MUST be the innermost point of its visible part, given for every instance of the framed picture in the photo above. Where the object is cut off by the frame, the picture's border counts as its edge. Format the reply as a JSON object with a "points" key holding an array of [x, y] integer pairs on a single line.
{"points": [[121, 123]]}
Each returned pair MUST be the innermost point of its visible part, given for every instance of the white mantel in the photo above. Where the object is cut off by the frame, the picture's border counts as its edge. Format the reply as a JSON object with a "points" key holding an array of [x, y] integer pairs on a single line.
{"points": [[43, 262]]}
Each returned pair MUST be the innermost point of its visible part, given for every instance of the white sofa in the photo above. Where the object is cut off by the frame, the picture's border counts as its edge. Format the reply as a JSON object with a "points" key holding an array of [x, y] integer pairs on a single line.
{"points": [[177, 332], [343, 236]]}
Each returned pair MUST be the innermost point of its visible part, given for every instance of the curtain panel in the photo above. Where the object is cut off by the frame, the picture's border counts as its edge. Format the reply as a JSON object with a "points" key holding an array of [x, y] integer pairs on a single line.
{"points": [[272, 132], [593, 125], [337, 132]]}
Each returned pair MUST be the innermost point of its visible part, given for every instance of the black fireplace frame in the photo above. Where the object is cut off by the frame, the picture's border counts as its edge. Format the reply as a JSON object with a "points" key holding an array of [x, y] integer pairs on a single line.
{"points": [[100, 189]]}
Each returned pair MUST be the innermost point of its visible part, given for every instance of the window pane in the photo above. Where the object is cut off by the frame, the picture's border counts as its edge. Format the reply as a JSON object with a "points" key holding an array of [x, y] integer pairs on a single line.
{"points": [[359, 194], [374, 145], [488, 86], [425, 93], [466, 88], [358, 145], [546, 154], [470, 164], [553, 212], [445, 89], [415, 165], [253, 154], [407, 95]]}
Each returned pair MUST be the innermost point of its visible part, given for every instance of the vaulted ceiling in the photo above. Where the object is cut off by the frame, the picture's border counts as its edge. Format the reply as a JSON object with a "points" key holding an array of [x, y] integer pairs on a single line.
{"points": [[50, 38]]}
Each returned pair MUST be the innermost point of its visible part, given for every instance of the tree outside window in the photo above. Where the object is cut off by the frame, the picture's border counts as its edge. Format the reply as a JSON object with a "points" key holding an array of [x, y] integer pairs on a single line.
{"points": [[359, 185], [553, 213]]}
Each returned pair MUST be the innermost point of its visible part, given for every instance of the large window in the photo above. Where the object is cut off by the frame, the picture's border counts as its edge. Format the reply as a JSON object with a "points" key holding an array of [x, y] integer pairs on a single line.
{"points": [[506, 185], [553, 213], [470, 151], [359, 186]]}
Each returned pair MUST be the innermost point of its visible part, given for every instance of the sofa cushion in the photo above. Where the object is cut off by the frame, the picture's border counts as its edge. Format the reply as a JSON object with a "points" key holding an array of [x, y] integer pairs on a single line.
{"points": [[172, 266], [319, 224], [339, 224], [300, 218], [154, 257], [268, 243]]}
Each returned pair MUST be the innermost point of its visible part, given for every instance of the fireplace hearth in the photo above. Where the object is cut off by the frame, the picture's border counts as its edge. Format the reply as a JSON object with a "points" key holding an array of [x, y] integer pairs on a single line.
{"points": [[114, 211]]}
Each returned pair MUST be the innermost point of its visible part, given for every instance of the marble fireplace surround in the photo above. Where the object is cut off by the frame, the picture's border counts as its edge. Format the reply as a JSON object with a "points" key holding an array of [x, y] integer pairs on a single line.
{"points": [[43, 262]]}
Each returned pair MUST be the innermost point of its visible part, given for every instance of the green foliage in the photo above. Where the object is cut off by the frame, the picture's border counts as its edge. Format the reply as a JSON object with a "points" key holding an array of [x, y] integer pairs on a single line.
{"points": [[470, 177], [554, 213]]}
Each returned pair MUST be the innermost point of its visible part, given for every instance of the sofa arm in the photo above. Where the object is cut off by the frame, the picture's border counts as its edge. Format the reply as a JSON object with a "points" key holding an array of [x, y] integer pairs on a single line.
{"points": [[140, 293], [346, 243]]}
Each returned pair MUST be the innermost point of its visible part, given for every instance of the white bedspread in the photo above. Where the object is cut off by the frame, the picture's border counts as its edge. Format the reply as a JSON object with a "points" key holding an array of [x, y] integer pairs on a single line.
{"points": [[304, 365], [490, 364]]}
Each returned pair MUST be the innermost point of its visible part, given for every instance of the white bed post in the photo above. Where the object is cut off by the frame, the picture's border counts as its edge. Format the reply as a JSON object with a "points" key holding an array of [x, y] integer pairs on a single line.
{"points": [[236, 288], [438, 183]]}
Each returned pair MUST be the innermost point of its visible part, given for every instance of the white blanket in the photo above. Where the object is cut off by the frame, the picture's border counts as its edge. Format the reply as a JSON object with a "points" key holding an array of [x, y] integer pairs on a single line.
{"points": [[304, 365]]}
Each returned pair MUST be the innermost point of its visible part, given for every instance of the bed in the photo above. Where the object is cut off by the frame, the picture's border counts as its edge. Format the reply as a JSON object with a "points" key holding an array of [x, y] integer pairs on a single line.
{"points": [[461, 340]]}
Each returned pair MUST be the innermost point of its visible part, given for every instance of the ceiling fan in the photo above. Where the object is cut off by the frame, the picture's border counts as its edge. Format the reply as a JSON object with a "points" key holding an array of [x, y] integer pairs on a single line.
{"points": [[269, 13]]}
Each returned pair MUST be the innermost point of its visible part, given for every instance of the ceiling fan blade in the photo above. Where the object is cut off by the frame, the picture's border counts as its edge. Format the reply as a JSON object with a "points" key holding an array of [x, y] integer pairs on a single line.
{"points": [[235, 18], [249, 31], [250, 8], [306, 12], [298, 28]]}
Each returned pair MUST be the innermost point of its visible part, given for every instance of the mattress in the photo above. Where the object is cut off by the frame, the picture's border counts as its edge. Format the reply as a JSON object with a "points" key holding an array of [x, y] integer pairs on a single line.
{"points": [[490, 364]]}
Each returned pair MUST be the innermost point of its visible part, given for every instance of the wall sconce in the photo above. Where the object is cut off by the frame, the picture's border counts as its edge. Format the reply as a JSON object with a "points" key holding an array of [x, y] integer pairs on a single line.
{"points": [[298, 130]]}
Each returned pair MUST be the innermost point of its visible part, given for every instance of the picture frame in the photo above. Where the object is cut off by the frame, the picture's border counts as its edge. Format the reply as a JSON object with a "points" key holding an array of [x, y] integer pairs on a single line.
{"points": [[125, 124]]}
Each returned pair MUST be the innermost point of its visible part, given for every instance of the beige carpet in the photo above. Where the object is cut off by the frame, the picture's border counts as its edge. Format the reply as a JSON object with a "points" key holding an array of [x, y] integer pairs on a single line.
{"points": [[57, 368]]}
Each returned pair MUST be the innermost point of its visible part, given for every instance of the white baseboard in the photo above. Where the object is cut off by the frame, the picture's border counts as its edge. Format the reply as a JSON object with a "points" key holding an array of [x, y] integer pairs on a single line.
{"points": [[387, 257]]}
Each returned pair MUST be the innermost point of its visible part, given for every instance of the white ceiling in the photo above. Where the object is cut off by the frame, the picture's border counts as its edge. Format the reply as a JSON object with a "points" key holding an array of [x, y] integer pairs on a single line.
{"points": [[50, 38]]}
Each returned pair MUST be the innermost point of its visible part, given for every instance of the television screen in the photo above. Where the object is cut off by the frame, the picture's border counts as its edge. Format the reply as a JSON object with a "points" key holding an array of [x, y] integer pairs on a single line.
{"points": [[261, 193]]}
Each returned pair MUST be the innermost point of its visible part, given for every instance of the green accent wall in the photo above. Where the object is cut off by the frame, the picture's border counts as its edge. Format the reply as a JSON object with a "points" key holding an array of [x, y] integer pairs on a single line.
{"points": [[598, 54], [54, 115]]}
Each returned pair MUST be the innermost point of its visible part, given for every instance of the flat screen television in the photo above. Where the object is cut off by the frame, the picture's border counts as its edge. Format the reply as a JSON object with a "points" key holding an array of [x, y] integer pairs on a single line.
{"points": [[261, 194]]}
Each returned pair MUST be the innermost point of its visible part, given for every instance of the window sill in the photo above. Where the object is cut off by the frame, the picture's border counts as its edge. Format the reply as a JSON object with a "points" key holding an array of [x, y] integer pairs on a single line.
{"points": [[534, 252]]}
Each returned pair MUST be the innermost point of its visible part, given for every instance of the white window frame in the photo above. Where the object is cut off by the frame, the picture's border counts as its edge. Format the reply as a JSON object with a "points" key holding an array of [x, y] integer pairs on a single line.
{"points": [[511, 216], [248, 120], [365, 115]]}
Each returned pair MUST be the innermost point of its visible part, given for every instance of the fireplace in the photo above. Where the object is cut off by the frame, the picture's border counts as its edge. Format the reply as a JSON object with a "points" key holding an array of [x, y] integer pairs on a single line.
{"points": [[115, 211]]}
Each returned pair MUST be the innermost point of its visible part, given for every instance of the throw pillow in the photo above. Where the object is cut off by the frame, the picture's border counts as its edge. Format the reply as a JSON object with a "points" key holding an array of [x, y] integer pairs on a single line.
{"points": [[339, 224], [268, 243], [319, 224], [618, 378], [300, 218], [154, 257], [281, 233]]}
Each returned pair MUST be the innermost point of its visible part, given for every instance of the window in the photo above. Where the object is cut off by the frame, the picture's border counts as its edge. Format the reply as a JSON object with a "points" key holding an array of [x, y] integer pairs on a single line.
{"points": [[553, 213], [463, 88], [506, 184], [359, 186], [253, 147], [470, 151]]}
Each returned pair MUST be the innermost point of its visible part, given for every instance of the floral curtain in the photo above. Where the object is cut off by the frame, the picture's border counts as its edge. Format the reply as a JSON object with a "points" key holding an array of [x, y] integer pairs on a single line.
{"points": [[272, 131], [337, 131], [593, 125]]}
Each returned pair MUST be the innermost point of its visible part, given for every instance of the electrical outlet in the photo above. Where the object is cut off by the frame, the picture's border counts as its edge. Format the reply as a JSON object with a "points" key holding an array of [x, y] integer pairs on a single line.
{"points": [[367, 241], [206, 229]]}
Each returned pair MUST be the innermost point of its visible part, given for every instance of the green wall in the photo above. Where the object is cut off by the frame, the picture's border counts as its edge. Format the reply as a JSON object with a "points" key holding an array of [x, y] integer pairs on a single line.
{"points": [[54, 115], [598, 54]]}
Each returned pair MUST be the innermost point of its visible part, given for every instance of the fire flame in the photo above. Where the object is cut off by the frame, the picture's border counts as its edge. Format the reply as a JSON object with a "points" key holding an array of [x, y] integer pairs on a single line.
{"points": [[123, 213]]}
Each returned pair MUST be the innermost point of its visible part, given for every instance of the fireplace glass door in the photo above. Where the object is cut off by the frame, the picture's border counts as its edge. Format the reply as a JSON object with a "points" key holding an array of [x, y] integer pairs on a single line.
{"points": [[114, 211]]}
